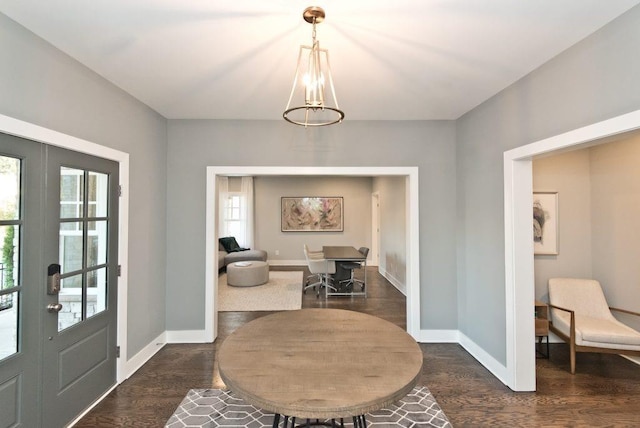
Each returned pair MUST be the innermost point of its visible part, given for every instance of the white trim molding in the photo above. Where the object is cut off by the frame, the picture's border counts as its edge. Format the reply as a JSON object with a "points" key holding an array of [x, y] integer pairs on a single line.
{"points": [[520, 371], [393, 280], [134, 363], [439, 336], [412, 229], [484, 358], [287, 262], [186, 336]]}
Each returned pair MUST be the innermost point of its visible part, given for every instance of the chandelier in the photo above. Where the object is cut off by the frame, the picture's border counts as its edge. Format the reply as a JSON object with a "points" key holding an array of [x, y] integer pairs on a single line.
{"points": [[313, 85]]}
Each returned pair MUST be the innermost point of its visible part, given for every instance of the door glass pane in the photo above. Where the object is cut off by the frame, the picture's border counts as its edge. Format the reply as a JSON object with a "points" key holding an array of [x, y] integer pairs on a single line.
{"points": [[71, 248], [8, 324], [98, 193], [83, 244], [97, 243], [70, 298], [96, 291], [10, 173], [9, 188], [71, 192], [9, 251]]}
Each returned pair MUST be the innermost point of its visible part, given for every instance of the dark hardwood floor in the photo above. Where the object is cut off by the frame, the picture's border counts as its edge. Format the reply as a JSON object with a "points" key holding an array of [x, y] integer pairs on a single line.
{"points": [[605, 391]]}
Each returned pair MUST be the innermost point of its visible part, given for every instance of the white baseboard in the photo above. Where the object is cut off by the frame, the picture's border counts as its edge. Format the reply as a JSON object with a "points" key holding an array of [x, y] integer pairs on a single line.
{"points": [[635, 360], [287, 262], [494, 366], [134, 363], [393, 280], [455, 336], [439, 336], [186, 336]]}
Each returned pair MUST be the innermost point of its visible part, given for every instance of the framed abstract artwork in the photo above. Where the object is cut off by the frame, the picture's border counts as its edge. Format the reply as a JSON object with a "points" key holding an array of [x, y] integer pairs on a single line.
{"points": [[545, 223], [312, 214]]}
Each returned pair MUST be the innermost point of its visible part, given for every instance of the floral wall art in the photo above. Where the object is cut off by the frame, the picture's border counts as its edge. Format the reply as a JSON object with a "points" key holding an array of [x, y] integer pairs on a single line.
{"points": [[312, 214]]}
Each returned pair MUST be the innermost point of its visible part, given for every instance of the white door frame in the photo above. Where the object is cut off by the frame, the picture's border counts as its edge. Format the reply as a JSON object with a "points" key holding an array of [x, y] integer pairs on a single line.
{"points": [[29, 131], [375, 229], [412, 230], [519, 267]]}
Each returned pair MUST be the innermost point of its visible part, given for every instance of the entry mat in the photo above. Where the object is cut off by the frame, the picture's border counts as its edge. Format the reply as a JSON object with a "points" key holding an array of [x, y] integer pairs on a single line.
{"points": [[208, 408]]}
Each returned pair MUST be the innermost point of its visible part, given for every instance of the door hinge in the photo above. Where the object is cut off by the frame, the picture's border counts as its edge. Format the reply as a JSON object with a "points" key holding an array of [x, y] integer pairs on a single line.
{"points": [[119, 270], [119, 190], [117, 352]]}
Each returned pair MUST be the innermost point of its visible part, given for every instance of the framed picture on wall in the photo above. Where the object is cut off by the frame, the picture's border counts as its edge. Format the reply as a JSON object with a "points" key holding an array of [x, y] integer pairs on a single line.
{"points": [[545, 223], [312, 214]]}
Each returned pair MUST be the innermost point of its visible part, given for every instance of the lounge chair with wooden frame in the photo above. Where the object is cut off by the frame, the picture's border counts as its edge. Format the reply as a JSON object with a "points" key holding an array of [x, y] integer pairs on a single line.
{"points": [[581, 317]]}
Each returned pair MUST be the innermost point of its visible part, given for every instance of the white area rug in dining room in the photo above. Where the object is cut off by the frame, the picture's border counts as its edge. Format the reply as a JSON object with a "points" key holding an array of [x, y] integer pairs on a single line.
{"points": [[283, 292]]}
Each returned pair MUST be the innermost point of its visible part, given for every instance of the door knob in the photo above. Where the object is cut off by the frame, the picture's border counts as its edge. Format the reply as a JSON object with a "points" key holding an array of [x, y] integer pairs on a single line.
{"points": [[54, 307]]}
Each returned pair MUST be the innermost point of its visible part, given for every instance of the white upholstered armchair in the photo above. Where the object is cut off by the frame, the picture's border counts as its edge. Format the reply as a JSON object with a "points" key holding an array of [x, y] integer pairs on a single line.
{"points": [[581, 317]]}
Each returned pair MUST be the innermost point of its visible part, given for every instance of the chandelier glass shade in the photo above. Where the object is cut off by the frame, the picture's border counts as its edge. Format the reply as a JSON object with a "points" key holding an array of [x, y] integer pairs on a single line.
{"points": [[313, 101]]}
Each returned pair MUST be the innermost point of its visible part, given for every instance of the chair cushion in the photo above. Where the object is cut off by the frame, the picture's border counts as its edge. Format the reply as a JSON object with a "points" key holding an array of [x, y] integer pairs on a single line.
{"points": [[584, 296], [598, 332], [240, 256]]}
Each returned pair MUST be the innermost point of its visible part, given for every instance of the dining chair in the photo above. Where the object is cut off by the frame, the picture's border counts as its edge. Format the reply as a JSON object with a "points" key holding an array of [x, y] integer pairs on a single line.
{"points": [[320, 269], [315, 254], [352, 266]]}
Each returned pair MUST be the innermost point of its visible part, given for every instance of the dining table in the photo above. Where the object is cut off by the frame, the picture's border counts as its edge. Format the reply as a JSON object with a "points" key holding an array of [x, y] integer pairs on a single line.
{"points": [[320, 366], [333, 253]]}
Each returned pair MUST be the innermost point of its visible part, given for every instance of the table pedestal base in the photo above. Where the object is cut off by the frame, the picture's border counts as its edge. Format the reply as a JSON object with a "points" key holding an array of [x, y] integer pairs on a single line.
{"points": [[358, 422]]}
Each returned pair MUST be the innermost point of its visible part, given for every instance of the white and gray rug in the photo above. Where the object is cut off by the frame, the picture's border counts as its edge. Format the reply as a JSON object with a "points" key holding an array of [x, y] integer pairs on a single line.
{"points": [[209, 408], [283, 292]]}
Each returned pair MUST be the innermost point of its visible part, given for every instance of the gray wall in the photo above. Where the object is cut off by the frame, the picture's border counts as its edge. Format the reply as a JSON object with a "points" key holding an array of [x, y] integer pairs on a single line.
{"points": [[41, 85], [461, 182], [393, 225], [196, 144], [569, 175], [592, 81], [356, 192], [615, 205], [599, 194]]}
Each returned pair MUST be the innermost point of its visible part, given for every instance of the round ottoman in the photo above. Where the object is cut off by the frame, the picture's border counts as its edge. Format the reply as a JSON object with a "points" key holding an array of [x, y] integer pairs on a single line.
{"points": [[247, 274]]}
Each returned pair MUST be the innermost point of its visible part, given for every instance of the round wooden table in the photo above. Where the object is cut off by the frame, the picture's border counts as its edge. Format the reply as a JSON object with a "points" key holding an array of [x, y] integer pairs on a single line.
{"points": [[320, 364]]}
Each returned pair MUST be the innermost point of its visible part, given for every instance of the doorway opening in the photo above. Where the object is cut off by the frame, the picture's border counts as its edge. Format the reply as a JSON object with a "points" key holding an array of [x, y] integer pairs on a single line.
{"points": [[519, 262], [375, 229], [412, 236]]}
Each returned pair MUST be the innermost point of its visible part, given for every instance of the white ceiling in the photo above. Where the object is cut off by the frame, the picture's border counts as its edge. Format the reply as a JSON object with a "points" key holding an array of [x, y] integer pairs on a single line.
{"points": [[400, 59]]}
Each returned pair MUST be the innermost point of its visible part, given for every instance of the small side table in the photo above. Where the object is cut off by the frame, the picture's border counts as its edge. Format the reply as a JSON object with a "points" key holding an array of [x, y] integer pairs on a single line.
{"points": [[542, 327]]}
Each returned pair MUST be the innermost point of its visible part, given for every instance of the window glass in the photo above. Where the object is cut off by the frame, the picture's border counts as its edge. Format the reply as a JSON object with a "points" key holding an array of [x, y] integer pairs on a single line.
{"points": [[10, 227], [71, 246], [71, 192], [96, 291], [8, 324], [98, 194], [9, 188], [70, 298], [97, 243], [83, 245]]}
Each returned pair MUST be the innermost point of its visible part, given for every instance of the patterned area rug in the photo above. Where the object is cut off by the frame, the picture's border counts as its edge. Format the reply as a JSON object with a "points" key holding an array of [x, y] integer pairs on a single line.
{"points": [[283, 292], [218, 408]]}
